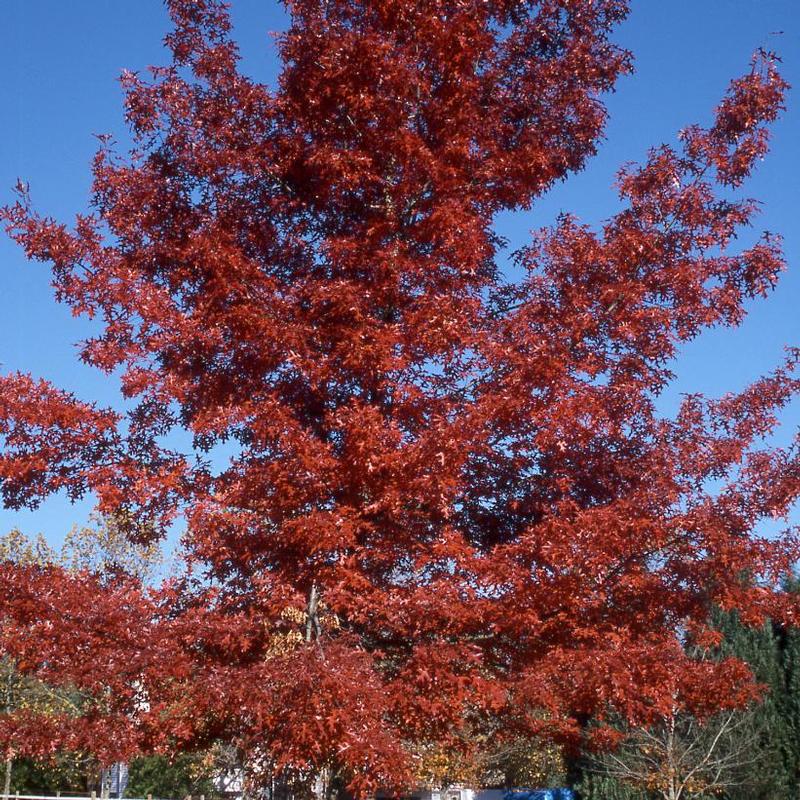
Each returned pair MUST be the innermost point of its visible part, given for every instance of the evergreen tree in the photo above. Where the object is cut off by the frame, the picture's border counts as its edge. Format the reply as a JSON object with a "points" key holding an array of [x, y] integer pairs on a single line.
{"points": [[159, 776], [599, 787], [765, 650], [772, 652], [72, 773], [788, 704]]}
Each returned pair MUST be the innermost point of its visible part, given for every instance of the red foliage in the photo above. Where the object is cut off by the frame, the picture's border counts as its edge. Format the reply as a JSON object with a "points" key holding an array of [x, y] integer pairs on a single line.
{"points": [[467, 474], [83, 639]]}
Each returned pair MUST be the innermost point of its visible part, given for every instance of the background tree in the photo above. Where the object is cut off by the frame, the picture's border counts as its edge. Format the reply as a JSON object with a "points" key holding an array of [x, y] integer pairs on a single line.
{"points": [[451, 496], [772, 652], [105, 547], [525, 762], [67, 711], [768, 731], [180, 776], [21, 693], [683, 756], [26, 696], [74, 773]]}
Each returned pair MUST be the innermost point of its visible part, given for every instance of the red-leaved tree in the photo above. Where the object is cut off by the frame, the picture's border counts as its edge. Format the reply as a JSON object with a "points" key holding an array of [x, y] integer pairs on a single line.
{"points": [[452, 506]]}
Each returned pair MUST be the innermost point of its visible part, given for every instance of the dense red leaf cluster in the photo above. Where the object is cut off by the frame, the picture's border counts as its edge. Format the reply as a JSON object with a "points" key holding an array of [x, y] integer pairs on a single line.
{"points": [[452, 498]]}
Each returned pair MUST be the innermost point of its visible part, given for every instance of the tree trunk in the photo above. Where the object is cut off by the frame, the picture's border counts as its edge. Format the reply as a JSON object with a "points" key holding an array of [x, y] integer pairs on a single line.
{"points": [[322, 785], [8, 704], [673, 792], [7, 778], [312, 620]]}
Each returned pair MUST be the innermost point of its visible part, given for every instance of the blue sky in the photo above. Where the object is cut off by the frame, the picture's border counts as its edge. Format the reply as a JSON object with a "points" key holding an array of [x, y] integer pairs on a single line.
{"points": [[60, 61]]}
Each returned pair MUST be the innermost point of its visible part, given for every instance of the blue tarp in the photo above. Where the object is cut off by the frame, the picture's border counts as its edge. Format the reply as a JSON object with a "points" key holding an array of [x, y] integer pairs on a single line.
{"points": [[539, 794], [530, 794]]}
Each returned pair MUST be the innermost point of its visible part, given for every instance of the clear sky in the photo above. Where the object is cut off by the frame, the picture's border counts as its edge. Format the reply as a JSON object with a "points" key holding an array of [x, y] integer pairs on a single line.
{"points": [[59, 64]]}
